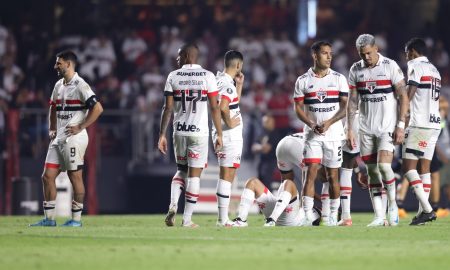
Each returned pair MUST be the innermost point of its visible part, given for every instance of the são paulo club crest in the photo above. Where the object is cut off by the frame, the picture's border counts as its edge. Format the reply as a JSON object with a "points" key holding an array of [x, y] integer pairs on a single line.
{"points": [[371, 86], [321, 95]]}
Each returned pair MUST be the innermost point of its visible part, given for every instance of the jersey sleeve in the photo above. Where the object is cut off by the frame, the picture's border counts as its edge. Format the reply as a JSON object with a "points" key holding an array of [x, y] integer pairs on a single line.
{"points": [[396, 73], [53, 96], [211, 85], [168, 90], [87, 96], [413, 75], [226, 91], [343, 86], [352, 78], [299, 92]]}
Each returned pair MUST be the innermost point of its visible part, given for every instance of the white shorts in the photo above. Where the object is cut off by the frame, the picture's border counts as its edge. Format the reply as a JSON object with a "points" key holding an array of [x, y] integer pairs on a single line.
{"points": [[291, 216], [230, 155], [67, 156], [289, 153], [420, 143], [191, 150], [371, 145], [355, 128], [327, 153]]}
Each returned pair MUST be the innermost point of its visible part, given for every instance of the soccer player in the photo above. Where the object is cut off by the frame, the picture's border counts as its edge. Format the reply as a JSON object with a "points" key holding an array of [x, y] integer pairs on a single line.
{"points": [[375, 84], [186, 92], [424, 86], [230, 156], [284, 208], [73, 107], [320, 102]]}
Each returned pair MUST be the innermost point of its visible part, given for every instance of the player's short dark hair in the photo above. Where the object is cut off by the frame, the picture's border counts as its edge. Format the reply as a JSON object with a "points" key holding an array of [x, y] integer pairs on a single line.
{"points": [[232, 55], [315, 48], [416, 44], [188, 46], [68, 56]]}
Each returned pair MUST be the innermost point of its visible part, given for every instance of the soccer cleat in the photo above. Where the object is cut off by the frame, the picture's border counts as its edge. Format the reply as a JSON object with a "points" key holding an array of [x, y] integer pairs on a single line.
{"points": [[423, 218], [269, 222], [305, 222], [227, 224], [345, 222], [72, 223], [170, 217], [189, 224], [393, 215], [324, 221], [402, 213], [331, 222], [238, 222], [378, 222], [442, 212], [44, 223]]}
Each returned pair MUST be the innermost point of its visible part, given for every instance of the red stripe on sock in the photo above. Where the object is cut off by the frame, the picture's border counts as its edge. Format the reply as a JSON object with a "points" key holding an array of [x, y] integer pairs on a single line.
{"points": [[426, 185], [346, 188], [325, 196], [415, 182], [191, 194], [389, 181]]}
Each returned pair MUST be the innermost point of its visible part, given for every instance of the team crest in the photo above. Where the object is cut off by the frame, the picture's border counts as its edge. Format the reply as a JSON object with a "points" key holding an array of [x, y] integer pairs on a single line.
{"points": [[371, 86], [321, 95], [229, 91]]}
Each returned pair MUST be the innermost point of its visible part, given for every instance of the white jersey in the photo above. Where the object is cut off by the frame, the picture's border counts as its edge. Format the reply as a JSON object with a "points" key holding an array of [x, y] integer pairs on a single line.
{"points": [[71, 102], [290, 152], [321, 97], [227, 90], [190, 86], [375, 87], [425, 102]]}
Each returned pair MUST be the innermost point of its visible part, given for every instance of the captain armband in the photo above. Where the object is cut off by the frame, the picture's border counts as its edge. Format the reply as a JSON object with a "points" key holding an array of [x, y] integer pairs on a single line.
{"points": [[90, 102]]}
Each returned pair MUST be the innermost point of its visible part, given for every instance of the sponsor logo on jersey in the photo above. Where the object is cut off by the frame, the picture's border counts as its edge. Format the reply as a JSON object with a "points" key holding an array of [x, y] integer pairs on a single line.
{"points": [[371, 86], [64, 116], [187, 128], [435, 119], [327, 109], [181, 73], [374, 99]]}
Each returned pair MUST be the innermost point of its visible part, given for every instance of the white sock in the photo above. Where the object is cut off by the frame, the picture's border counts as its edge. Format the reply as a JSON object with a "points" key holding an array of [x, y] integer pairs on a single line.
{"points": [[283, 200], [77, 208], [223, 199], [334, 207], [308, 203], [375, 191], [384, 200], [247, 199], [426, 182], [191, 196], [325, 199], [345, 179], [388, 181], [49, 209], [415, 182], [177, 186]]}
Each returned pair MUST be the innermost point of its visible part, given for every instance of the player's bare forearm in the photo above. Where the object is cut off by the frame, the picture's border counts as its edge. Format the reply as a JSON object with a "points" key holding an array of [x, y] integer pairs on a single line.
{"points": [[92, 115], [411, 90], [215, 113], [166, 115], [302, 115], [225, 111], [400, 90], [352, 107], [52, 118]]}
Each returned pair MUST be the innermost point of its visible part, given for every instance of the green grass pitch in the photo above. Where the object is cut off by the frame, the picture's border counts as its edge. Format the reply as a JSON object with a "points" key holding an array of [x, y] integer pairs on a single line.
{"points": [[143, 242]]}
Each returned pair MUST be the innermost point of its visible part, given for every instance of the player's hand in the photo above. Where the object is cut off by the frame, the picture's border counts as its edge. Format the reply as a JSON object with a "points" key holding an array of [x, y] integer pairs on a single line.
{"points": [[52, 134], [235, 121], [363, 180], [218, 144], [239, 79], [73, 130], [399, 135], [351, 140], [162, 145], [321, 129]]}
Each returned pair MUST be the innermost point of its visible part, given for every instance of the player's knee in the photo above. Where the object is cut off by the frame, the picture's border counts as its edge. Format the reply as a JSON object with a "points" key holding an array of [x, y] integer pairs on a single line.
{"points": [[289, 186], [252, 182], [385, 170], [47, 178]]}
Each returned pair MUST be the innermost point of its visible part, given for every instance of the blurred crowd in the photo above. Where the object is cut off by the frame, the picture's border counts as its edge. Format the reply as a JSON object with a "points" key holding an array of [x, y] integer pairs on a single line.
{"points": [[125, 52]]}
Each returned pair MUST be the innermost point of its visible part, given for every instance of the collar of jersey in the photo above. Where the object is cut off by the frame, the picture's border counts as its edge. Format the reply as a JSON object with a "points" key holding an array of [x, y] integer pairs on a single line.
{"points": [[191, 66], [311, 72], [71, 80], [418, 59], [380, 59], [221, 73]]}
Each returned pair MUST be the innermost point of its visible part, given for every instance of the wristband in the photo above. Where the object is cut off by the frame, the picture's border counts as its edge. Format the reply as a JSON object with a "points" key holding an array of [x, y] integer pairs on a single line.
{"points": [[401, 124]]}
